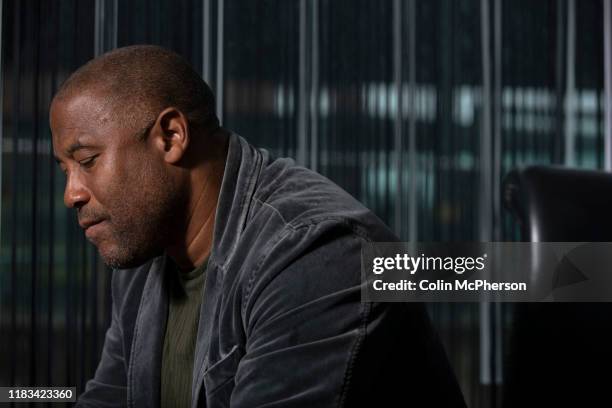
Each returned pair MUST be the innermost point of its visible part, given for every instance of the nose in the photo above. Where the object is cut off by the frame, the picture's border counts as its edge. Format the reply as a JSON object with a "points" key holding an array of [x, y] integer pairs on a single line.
{"points": [[76, 194]]}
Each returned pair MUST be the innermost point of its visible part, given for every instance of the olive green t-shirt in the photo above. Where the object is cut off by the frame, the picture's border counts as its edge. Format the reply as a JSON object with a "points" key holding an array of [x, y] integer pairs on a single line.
{"points": [[184, 300]]}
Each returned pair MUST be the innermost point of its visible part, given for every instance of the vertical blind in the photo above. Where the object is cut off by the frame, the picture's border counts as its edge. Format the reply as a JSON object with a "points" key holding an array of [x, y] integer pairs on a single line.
{"points": [[417, 107]]}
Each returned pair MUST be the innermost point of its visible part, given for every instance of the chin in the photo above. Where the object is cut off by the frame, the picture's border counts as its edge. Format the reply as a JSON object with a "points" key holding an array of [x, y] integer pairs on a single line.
{"points": [[118, 258]]}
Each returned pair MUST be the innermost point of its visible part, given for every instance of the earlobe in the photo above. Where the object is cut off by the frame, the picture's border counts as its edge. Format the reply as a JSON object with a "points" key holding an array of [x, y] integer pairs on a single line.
{"points": [[174, 131]]}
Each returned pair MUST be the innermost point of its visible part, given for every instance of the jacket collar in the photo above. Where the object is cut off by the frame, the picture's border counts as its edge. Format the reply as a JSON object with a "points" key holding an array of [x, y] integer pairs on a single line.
{"points": [[242, 169]]}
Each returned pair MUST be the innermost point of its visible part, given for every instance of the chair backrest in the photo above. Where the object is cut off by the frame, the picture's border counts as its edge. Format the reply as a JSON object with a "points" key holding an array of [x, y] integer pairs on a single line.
{"points": [[559, 354], [557, 204]]}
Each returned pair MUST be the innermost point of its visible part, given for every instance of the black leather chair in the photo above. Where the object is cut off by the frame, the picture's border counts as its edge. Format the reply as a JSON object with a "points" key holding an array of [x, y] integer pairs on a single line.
{"points": [[560, 354]]}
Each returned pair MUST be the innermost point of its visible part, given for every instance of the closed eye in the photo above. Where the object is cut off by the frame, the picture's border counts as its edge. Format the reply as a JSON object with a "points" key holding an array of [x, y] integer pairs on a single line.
{"points": [[88, 162]]}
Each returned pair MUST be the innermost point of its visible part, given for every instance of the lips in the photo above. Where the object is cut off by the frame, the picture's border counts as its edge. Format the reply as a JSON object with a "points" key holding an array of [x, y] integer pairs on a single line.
{"points": [[91, 228], [85, 224]]}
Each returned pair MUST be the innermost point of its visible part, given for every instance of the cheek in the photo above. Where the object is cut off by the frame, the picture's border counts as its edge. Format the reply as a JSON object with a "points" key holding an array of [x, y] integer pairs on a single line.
{"points": [[113, 183], [106, 187], [123, 169], [132, 190]]}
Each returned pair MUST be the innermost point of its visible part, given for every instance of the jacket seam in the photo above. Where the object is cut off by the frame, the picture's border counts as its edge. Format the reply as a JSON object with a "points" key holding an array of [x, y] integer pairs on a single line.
{"points": [[275, 210], [365, 309], [133, 352], [365, 312], [251, 187], [355, 228], [347, 222], [288, 228], [315, 220]]}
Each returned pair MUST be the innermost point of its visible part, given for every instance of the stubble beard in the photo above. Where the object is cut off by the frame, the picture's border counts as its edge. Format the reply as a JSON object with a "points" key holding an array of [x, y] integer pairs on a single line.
{"points": [[142, 229]]}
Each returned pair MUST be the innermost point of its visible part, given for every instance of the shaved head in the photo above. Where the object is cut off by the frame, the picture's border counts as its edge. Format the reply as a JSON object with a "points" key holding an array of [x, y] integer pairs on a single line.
{"points": [[140, 81]]}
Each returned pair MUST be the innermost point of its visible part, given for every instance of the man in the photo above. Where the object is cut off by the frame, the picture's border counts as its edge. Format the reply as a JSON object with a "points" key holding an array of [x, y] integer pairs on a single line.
{"points": [[237, 276]]}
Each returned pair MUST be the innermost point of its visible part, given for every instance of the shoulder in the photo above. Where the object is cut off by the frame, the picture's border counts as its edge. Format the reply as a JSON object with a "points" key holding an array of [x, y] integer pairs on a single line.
{"points": [[301, 199], [303, 237], [298, 221]]}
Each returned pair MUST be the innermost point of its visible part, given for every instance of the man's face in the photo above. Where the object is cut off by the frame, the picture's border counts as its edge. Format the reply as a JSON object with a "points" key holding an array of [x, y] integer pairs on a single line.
{"points": [[119, 185]]}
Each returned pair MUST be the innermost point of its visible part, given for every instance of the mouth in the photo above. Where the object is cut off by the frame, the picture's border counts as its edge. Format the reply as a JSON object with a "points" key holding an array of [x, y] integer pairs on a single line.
{"points": [[85, 224], [90, 227]]}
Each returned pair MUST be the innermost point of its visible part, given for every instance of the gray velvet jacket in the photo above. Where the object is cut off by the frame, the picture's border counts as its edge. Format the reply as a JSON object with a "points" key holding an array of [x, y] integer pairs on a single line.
{"points": [[282, 322]]}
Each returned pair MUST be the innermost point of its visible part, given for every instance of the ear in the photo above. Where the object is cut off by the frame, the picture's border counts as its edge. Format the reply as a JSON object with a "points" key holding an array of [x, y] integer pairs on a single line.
{"points": [[171, 134]]}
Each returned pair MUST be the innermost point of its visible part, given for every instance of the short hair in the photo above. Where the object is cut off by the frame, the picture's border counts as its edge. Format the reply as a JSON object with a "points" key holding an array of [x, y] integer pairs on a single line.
{"points": [[142, 80]]}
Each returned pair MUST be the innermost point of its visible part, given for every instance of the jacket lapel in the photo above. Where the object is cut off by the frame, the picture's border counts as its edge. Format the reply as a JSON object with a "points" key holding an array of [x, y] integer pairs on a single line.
{"points": [[242, 168], [144, 369]]}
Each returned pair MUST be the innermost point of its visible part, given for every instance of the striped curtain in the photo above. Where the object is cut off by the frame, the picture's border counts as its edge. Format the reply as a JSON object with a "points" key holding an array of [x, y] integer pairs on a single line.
{"points": [[416, 107]]}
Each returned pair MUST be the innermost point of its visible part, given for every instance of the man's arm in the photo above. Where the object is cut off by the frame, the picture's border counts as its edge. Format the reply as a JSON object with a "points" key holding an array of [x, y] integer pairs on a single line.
{"points": [[312, 342], [108, 387]]}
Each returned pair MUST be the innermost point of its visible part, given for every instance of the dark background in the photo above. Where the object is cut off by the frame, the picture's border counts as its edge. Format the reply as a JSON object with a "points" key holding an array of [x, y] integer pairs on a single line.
{"points": [[418, 108]]}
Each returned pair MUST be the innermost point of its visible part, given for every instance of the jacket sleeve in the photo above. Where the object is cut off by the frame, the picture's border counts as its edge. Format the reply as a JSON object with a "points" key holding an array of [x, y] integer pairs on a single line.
{"points": [[108, 386], [311, 342]]}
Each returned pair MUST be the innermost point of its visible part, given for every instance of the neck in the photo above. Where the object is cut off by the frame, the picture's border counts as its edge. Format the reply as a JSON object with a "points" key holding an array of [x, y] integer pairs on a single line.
{"points": [[205, 184]]}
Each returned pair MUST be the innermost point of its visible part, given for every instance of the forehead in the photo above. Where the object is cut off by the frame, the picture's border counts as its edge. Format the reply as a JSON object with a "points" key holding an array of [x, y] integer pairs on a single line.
{"points": [[86, 106], [83, 115]]}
